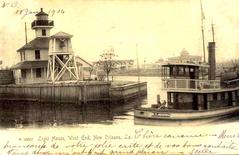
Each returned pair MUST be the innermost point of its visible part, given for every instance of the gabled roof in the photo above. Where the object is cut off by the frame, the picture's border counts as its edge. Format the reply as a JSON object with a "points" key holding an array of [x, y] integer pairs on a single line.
{"points": [[37, 43], [30, 64], [61, 35]]}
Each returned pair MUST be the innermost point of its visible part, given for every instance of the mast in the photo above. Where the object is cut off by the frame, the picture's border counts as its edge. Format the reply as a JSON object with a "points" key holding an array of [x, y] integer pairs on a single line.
{"points": [[137, 62], [202, 26], [137, 55]]}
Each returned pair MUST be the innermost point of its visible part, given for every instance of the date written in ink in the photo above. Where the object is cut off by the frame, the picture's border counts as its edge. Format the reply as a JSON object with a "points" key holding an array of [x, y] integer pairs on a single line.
{"points": [[25, 12]]}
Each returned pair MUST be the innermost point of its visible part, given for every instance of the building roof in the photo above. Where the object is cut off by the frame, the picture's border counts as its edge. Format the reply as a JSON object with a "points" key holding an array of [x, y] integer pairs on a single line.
{"points": [[37, 43], [30, 64], [166, 64], [41, 13], [78, 59], [61, 35]]}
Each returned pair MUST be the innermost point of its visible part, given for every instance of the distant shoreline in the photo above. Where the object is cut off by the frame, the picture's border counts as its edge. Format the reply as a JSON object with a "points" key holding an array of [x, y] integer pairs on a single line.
{"points": [[135, 72]]}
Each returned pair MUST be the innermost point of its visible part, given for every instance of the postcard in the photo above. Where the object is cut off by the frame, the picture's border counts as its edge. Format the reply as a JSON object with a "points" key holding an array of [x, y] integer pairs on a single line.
{"points": [[119, 77]]}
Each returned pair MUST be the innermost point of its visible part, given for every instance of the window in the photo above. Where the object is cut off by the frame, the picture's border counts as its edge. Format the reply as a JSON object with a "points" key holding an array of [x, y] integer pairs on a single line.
{"points": [[223, 96], [215, 96], [22, 54], [43, 32], [38, 72], [24, 73], [37, 54], [181, 71]]}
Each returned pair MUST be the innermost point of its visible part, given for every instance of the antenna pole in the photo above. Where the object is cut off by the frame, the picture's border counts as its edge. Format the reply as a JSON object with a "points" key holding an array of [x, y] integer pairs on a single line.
{"points": [[26, 31]]}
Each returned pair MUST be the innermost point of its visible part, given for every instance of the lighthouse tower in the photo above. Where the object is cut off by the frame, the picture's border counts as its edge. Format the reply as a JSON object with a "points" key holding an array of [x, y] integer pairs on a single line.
{"points": [[42, 25], [61, 60]]}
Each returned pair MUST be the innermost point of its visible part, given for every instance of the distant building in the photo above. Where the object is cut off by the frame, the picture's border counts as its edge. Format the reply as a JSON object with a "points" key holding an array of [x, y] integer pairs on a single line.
{"points": [[86, 69], [227, 66], [151, 66], [159, 61], [124, 64], [185, 57]]}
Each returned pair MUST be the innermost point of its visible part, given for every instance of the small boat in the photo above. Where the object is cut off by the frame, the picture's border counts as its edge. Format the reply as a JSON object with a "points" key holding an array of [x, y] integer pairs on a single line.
{"points": [[194, 94]]}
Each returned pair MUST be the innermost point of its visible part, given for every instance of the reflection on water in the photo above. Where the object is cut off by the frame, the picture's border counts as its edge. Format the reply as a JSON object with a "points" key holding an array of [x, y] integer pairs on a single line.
{"points": [[22, 114]]}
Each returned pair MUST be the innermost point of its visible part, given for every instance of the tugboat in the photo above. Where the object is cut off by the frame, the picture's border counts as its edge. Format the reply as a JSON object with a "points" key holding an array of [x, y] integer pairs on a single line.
{"points": [[194, 94]]}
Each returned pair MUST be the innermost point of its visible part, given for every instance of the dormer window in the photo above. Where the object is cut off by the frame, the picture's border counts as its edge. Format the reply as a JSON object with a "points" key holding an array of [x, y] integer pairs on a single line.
{"points": [[43, 32], [37, 54]]}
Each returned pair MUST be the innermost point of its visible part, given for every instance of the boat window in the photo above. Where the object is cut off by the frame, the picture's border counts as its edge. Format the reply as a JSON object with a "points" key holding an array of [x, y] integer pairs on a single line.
{"points": [[187, 71], [223, 96], [215, 96], [176, 97], [210, 97], [174, 71], [181, 71], [226, 95], [171, 99]]}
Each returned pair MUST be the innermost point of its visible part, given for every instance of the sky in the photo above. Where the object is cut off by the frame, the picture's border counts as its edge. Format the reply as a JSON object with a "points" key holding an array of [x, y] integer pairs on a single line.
{"points": [[160, 28]]}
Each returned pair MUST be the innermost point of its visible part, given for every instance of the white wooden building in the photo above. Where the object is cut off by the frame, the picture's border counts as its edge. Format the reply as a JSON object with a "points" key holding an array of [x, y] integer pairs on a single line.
{"points": [[35, 56]]}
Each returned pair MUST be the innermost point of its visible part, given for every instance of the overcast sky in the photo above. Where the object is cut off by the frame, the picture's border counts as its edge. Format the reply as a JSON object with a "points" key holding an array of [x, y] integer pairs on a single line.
{"points": [[161, 28]]}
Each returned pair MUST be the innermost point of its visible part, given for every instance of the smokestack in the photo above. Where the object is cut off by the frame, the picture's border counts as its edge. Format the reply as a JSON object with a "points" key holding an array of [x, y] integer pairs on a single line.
{"points": [[211, 61]]}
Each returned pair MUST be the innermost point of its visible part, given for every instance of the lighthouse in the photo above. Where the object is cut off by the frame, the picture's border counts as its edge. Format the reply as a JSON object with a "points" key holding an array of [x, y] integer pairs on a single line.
{"points": [[33, 56], [42, 25], [46, 58]]}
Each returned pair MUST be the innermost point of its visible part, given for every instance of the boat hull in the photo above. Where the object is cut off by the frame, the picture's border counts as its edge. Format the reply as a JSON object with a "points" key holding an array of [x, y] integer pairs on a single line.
{"points": [[153, 116]]}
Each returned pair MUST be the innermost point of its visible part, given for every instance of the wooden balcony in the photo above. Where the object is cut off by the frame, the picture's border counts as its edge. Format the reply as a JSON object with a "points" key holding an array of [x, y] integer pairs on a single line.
{"points": [[37, 23], [190, 84]]}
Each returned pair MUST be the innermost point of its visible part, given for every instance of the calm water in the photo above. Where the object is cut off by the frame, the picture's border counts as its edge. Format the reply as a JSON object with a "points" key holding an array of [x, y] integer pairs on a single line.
{"points": [[42, 115]]}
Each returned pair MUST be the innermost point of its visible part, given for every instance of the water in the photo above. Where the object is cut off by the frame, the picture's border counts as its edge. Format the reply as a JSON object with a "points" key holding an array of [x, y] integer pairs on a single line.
{"points": [[47, 115]]}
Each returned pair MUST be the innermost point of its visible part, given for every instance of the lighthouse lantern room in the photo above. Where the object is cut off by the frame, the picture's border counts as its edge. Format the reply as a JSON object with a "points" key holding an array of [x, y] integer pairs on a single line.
{"points": [[42, 25]]}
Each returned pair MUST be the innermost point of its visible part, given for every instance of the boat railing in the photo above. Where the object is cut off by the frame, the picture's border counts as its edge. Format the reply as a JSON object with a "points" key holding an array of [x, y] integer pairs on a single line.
{"points": [[190, 84]]}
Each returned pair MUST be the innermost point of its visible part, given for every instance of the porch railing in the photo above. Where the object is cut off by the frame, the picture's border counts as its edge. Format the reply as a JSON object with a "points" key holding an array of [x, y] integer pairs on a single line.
{"points": [[190, 84]]}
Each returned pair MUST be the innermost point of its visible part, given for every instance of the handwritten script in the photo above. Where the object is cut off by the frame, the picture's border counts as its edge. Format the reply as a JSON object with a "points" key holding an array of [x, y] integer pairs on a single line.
{"points": [[23, 12], [142, 141]]}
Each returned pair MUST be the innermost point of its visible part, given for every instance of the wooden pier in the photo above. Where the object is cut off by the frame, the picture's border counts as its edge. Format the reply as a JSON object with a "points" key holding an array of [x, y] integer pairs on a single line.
{"points": [[58, 93], [78, 93]]}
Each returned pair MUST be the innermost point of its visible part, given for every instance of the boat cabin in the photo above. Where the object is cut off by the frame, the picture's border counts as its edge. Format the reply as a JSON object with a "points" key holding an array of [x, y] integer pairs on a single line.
{"points": [[187, 77], [189, 88]]}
